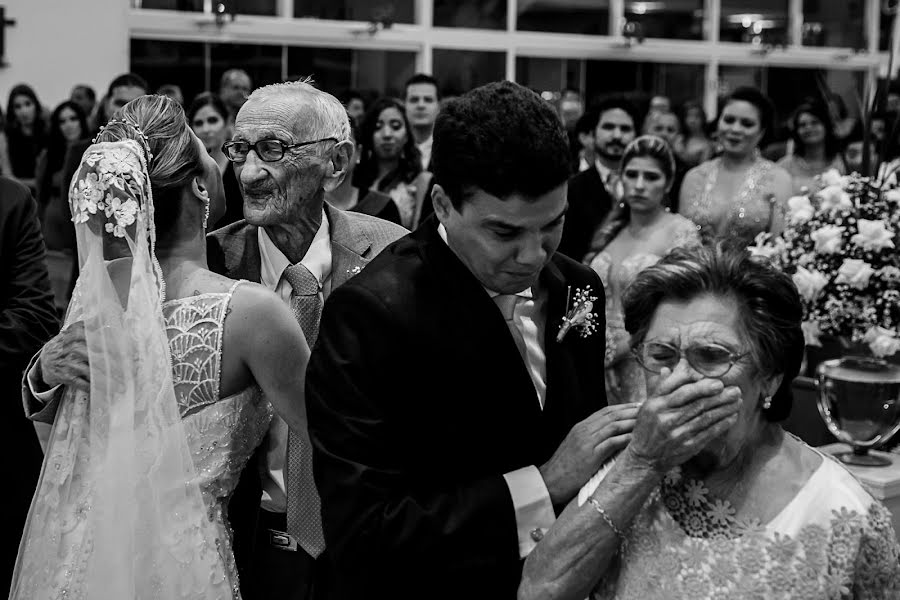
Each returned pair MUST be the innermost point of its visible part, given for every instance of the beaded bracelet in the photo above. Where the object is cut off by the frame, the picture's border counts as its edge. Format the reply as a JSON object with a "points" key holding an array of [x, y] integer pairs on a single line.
{"points": [[596, 504]]}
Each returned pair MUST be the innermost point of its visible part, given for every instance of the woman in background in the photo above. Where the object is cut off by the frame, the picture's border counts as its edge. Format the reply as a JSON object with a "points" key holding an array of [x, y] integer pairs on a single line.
{"points": [[25, 133], [68, 125], [739, 194], [391, 164], [697, 146], [816, 149], [635, 235], [208, 117]]}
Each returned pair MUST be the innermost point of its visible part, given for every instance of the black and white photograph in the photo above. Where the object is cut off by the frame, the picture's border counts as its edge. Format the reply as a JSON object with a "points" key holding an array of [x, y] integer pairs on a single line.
{"points": [[450, 299]]}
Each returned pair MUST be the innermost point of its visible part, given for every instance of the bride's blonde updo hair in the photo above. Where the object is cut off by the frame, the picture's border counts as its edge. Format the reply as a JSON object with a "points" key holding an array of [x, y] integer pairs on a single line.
{"points": [[158, 124]]}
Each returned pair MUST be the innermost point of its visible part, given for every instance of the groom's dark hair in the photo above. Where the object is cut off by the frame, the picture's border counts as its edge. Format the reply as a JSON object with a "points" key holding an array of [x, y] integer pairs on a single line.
{"points": [[502, 138]]}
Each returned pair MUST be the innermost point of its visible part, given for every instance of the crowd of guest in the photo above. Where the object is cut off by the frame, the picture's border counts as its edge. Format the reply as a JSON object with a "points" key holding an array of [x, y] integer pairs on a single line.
{"points": [[725, 176], [649, 188]]}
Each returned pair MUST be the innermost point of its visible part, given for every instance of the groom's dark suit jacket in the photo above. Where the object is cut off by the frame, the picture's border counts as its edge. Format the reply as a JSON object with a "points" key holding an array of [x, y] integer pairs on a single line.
{"points": [[233, 251], [418, 402]]}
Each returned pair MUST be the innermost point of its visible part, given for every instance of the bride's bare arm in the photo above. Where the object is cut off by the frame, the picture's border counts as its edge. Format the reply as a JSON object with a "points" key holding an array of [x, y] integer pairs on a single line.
{"points": [[273, 348]]}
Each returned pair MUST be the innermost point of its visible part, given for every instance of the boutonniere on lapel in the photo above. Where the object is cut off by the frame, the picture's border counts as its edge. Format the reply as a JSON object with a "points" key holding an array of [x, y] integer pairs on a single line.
{"points": [[354, 271], [579, 313]]}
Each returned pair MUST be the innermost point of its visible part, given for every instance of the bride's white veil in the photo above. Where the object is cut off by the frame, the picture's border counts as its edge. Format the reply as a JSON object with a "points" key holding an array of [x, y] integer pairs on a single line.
{"points": [[118, 511]]}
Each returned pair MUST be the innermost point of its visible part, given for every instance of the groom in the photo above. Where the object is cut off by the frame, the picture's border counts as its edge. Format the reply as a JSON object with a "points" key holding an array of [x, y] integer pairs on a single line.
{"points": [[451, 418], [290, 146]]}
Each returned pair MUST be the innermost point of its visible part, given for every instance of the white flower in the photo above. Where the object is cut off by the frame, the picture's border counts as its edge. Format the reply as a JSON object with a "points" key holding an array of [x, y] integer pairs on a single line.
{"points": [[833, 177], [883, 342], [800, 209], [873, 235], [889, 273], [809, 283], [828, 239], [835, 198], [892, 195], [766, 246], [855, 273], [811, 333]]}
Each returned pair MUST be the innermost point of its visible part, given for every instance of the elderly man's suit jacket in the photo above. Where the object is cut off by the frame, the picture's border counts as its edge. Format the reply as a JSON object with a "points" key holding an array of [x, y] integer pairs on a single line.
{"points": [[233, 251]]}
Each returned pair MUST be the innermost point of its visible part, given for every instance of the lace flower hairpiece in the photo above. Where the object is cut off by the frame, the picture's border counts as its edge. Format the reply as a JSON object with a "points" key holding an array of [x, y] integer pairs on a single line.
{"points": [[145, 141]]}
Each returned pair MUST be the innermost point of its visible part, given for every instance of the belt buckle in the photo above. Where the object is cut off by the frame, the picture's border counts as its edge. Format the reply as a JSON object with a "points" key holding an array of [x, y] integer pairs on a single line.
{"points": [[282, 541]]}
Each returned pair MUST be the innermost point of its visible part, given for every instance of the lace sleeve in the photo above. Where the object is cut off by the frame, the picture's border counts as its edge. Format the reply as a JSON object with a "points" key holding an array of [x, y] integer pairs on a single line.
{"points": [[877, 572]]}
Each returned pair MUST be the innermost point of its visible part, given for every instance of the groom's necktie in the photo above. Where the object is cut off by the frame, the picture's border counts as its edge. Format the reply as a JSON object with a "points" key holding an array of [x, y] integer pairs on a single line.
{"points": [[304, 517], [526, 336]]}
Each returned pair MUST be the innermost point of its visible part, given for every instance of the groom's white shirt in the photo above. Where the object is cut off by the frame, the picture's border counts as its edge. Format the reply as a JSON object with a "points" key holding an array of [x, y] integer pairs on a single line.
{"points": [[531, 500]]}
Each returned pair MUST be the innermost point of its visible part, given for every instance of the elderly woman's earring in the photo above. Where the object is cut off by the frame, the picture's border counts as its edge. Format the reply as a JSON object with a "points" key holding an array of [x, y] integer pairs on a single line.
{"points": [[205, 213], [767, 403]]}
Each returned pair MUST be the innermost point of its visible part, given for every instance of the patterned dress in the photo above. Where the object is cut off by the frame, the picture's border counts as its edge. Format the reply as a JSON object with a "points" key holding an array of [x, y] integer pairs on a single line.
{"points": [[222, 434], [631, 378], [832, 541], [750, 212]]}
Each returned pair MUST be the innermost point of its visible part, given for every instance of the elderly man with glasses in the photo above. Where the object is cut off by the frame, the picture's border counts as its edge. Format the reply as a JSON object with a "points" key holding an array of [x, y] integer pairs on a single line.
{"points": [[290, 145]]}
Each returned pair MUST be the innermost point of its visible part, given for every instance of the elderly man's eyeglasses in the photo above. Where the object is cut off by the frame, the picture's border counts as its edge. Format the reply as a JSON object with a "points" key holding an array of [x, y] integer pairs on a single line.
{"points": [[266, 150], [710, 360]]}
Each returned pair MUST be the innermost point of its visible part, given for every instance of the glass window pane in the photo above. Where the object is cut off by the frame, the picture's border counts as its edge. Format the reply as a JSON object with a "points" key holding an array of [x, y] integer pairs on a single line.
{"points": [[179, 63], [754, 21], [564, 16], [788, 87], [262, 63], [374, 73], [188, 5], [834, 23], [550, 75], [458, 71], [480, 14], [250, 7], [885, 26], [387, 11], [682, 20], [641, 80]]}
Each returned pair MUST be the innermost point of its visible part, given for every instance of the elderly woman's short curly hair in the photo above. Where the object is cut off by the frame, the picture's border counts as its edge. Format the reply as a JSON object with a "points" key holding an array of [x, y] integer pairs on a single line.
{"points": [[770, 312]]}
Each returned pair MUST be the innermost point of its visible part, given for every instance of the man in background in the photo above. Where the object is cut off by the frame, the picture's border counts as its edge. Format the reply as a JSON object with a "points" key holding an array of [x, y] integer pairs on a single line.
{"points": [[422, 108], [593, 191], [234, 89]]}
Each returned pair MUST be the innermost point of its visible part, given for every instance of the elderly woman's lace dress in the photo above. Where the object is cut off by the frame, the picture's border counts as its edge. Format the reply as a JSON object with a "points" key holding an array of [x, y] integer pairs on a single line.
{"points": [[222, 434], [832, 541], [630, 375], [750, 212]]}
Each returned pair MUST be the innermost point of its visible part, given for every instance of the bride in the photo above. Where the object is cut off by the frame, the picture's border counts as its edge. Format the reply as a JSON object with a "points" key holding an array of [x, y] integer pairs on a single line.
{"points": [[170, 375]]}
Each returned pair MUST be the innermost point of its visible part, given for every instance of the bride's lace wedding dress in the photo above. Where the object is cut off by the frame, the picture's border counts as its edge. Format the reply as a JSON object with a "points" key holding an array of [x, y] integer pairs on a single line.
{"points": [[222, 434]]}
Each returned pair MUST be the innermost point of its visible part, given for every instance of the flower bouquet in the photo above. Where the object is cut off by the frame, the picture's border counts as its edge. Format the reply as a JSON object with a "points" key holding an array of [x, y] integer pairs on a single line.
{"points": [[839, 247]]}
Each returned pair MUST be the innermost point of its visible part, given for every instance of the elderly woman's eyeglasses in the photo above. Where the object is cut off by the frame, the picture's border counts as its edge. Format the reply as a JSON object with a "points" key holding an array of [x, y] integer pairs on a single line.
{"points": [[266, 150], [710, 360]]}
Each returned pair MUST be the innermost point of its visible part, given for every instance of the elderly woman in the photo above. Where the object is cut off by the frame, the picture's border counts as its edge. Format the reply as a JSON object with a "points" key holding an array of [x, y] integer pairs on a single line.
{"points": [[711, 499]]}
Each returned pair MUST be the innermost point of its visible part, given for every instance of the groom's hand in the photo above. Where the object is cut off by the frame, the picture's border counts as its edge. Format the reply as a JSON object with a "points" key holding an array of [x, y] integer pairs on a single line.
{"points": [[64, 359], [588, 445]]}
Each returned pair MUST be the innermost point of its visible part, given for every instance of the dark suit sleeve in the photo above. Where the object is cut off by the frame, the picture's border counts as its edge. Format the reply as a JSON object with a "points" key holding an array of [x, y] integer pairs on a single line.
{"points": [[27, 318], [381, 524]]}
